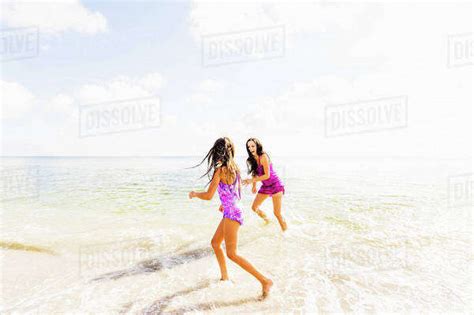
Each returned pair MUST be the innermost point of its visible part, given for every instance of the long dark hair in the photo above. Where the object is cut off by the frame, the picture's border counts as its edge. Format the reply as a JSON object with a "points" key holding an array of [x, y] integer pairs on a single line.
{"points": [[252, 164], [221, 154]]}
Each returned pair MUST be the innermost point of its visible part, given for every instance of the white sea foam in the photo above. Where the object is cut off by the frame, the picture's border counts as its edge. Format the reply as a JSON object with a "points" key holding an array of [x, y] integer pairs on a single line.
{"points": [[364, 236]]}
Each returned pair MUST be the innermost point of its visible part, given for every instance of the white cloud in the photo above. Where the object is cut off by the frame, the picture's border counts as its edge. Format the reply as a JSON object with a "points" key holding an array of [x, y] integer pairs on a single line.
{"points": [[152, 82], [439, 115], [408, 45], [204, 92], [307, 16], [53, 17], [53, 129], [16, 100], [119, 88], [414, 36], [211, 85], [61, 103], [410, 60], [169, 120], [199, 99]]}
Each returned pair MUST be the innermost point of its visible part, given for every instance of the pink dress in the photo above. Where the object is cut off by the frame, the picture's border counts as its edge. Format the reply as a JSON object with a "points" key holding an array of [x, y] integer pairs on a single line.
{"points": [[271, 185], [229, 195]]}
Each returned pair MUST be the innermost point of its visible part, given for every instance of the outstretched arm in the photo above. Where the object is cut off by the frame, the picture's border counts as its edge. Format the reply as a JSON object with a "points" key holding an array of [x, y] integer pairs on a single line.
{"points": [[211, 190], [266, 169]]}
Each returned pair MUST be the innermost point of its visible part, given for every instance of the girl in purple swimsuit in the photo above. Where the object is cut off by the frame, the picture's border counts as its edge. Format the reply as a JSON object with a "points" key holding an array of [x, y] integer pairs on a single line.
{"points": [[226, 180], [261, 169]]}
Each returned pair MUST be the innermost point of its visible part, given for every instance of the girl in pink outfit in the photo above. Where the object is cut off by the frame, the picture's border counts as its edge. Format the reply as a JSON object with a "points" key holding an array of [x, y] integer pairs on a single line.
{"points": [[261, 169], [226, 180]]}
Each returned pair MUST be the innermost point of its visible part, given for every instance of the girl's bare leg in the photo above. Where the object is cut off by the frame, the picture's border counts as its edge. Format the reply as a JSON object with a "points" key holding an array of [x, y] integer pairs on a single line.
{"points": [[277, 210], [256, 206], [216, 246], [231, 229]]}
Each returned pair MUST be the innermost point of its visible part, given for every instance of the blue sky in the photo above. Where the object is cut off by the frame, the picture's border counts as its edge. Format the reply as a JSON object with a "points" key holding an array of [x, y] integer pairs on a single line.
{"points": [[335, 53]]}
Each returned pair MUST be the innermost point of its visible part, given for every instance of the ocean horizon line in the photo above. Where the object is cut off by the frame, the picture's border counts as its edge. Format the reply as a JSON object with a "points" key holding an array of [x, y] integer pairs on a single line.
{"points": [[240, 156]]}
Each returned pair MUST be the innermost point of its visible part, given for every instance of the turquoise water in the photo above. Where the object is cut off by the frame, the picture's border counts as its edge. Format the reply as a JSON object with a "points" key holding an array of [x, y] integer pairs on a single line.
{"points": [[119, 235]]}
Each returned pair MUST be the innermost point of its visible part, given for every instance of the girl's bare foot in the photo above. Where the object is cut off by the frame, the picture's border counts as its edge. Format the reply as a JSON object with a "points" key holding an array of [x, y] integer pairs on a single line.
{"points": [[266, 288], [224, 278], [262, 215]]}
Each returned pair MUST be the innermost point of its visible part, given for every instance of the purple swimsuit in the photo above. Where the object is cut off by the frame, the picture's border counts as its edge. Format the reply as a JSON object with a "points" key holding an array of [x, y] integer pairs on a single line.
{"points": [[229, 195], [272, 185]]}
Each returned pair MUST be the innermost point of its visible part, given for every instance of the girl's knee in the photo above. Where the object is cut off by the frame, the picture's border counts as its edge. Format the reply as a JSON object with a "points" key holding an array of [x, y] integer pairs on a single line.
{"points": [[215, 244], [231, 254]]}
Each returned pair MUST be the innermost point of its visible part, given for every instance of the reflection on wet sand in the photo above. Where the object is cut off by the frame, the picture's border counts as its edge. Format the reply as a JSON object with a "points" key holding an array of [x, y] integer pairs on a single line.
{"points": [[156, 264], [211, 306], [159, 306]]}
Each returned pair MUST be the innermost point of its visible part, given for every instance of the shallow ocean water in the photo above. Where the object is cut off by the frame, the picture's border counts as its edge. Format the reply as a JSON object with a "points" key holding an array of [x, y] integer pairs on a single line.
{"points": [[119, 235]]}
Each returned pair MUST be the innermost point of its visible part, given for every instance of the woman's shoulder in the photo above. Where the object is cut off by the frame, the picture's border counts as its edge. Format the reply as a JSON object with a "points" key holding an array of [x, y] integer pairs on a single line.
{"points": [[264, 157], [223, 170], [227, 175]]}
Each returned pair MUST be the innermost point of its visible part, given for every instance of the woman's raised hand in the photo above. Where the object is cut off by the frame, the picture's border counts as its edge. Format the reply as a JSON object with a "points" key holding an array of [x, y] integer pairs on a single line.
{"points": [[247, 181], [254, 189]]}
